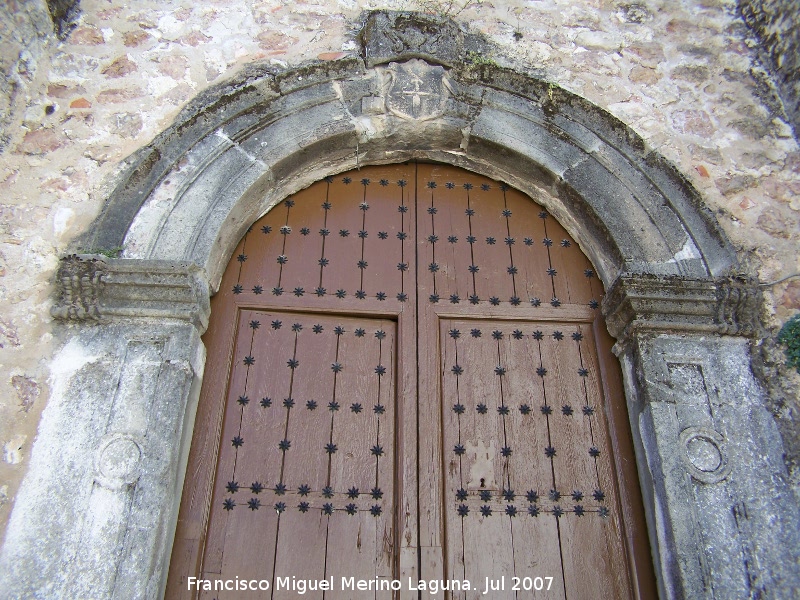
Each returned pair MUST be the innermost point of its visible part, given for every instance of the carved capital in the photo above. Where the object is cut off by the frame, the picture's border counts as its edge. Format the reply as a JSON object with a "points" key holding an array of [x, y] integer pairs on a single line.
{"points": [[93, 287], [726, 305], [80, 281]]}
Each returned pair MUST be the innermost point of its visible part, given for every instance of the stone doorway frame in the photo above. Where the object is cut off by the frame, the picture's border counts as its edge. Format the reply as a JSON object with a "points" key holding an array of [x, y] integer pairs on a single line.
{"points": [[721, 516]]}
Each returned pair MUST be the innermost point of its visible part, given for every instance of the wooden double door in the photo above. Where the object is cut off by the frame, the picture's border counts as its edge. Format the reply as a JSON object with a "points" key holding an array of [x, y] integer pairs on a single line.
{"points": [[408, 379]]}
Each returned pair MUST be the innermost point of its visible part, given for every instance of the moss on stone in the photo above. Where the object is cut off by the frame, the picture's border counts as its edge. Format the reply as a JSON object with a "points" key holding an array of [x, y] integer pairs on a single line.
{"points": [[789, 337]]}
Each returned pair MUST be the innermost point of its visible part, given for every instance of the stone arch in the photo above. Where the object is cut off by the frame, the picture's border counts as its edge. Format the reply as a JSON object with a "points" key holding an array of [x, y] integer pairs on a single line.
{"points": [[244, 145], [131, 325]]}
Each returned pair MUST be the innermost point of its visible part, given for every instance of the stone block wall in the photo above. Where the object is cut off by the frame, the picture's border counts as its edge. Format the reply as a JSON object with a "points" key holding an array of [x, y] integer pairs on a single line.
{"points": [[685, 76]]}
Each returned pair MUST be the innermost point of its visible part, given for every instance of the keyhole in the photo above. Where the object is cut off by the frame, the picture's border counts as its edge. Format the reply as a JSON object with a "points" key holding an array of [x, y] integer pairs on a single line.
{"points": [[483, 482]]}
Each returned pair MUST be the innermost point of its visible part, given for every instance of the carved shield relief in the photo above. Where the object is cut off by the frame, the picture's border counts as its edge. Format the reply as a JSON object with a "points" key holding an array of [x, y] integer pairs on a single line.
{"points": [[416, 90]]}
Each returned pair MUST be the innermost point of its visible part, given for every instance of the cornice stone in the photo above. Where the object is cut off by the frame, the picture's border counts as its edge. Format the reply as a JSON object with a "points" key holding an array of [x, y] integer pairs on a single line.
{"points": [[645, 302], [92, 287]]}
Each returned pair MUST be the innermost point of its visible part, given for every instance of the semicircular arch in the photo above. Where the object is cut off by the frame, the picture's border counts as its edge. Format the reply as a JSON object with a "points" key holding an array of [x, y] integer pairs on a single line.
{"points": [[242, 147]]}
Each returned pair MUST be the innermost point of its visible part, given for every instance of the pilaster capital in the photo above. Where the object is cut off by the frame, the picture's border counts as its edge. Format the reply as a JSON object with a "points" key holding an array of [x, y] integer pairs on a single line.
{"points": [[92, 287], [673, 303]]}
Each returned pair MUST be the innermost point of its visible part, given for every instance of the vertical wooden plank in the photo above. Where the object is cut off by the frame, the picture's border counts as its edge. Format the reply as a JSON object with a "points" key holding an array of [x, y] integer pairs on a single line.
{"points": [[301, 548], [631, 510], [535, 538], [450, 225], [595, 416], [258, 459], [573, 465], [198, 489], [580, 291], [355, 430], [537, 553], [306, 463], [385, 550], [571, 285], [342, 244], [428, 279], [407, 450], [264, 246], [482, 424], [231, 428], [249, 546], [352, 551], [525, 423], [487, 540], [382, 222], [488, 553], [575, 470], [492, 254], [595, 289], [530, 254], [592, 562], [429, 418], [303, 248], [607, 535], [453, 409], [234, 273]]}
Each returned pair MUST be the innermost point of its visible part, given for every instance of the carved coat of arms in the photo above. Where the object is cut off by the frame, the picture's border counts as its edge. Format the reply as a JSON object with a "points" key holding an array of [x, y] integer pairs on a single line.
{"points": [[415, 90]]}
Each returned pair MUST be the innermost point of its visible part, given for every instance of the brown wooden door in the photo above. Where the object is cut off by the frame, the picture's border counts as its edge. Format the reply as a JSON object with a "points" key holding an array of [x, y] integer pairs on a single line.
{"points": [[408, 379]]}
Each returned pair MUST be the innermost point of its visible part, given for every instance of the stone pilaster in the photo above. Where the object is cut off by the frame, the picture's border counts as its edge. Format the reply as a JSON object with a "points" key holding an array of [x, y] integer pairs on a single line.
{"points": [[721, 516], [96, 513]]}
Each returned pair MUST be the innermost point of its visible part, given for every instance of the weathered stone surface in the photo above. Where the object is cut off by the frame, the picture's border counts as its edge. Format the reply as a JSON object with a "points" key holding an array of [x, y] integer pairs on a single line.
{"points": [[695, 122], [195, 38], [634, 12], [93, 287], [12, 449], [9, 337], [120, 67], [80, 103], [779, 222], [395, 36], [651, 303], [710, 460], [649, 54], [275, 42], [126, 124], [27, 389], [595, 40], [60, 90], [123, 391], [133, 39], [737, 183], [40, 141], [86, 36], [693, 73], [790, 298], [64, 14], [774, 23], [173, 66], [118, 95], [644, 75]]}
